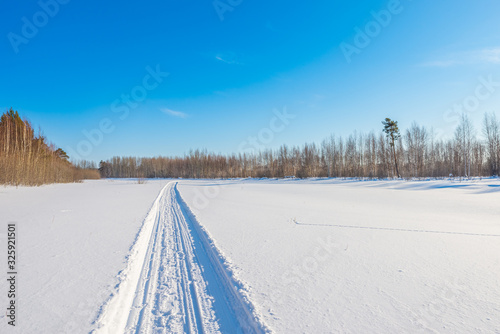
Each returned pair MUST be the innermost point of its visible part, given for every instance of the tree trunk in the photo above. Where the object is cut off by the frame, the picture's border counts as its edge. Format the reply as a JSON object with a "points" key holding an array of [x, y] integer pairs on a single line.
{"points": [[394, 152]]}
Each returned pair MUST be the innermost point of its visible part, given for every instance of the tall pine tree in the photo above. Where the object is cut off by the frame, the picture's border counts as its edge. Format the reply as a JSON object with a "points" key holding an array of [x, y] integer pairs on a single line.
{"points": [[392, 132]]}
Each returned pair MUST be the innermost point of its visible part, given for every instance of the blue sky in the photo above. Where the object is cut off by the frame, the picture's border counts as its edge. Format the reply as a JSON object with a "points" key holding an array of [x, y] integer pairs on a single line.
{"points": [[93, 76]]}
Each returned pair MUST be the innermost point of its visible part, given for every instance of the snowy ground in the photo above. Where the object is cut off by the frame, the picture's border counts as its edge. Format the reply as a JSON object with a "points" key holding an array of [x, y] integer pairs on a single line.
{"points": [[301, 256], [332, 256], [175, 281], [73, 240]]}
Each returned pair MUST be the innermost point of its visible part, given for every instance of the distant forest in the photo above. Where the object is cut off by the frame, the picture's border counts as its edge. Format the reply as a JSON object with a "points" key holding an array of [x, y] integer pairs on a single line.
{"points": [[27, 158], [414, 153]]}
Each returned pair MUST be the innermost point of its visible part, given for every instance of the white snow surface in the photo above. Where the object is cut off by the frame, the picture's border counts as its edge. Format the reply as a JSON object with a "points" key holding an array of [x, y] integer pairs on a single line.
{"points": [[175, 281], [332, 256], [72, 241], [284, 256]]}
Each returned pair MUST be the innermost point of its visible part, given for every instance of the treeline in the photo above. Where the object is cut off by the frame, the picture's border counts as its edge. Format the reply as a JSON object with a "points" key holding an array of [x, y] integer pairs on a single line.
{"points": [[416, 151], [27, 158]]}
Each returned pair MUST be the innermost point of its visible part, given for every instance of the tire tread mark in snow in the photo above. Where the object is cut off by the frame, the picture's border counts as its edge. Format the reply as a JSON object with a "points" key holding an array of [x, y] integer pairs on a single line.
{"points": [[191, 297], [149, 273], [182, 285], [121, 308], [236, 303]]}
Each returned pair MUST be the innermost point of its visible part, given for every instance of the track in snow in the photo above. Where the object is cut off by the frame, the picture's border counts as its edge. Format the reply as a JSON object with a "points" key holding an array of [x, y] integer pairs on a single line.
{"points": [[175, 281], [397, 229]]}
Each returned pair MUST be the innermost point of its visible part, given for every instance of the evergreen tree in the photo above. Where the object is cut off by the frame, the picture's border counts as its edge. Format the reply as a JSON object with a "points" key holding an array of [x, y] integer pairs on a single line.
{"points": [[61, 154], [105, 169], [392, 132]]}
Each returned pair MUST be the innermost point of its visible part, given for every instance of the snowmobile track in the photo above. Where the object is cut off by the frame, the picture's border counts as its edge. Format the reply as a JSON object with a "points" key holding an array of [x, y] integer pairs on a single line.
{"points": [[175, 281]]}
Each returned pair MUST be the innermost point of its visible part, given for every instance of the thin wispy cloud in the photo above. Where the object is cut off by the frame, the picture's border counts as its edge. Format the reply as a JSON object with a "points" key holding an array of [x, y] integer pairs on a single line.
{"points": [[174, 113], [228, 58], [491, 55], [483, 56]]}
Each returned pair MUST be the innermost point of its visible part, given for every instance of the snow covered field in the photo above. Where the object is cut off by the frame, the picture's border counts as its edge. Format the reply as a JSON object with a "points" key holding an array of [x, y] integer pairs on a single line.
{"points": [[331, 256], [301, 256], [73, 240]]}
